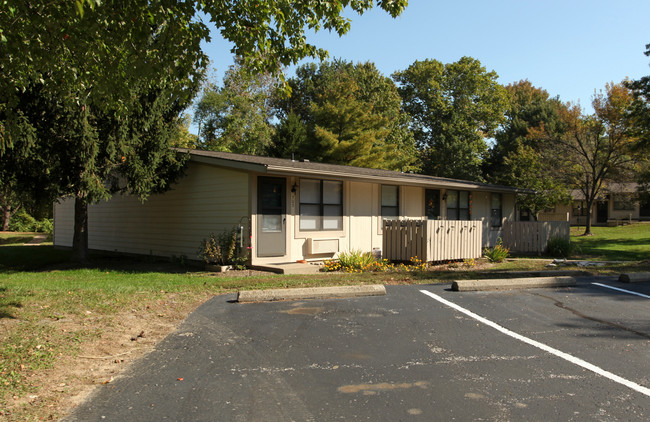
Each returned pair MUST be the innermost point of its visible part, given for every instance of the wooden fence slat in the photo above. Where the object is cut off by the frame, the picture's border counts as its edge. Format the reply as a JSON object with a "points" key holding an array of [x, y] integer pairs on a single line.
{"points": [[533, 236], [432, 240]]}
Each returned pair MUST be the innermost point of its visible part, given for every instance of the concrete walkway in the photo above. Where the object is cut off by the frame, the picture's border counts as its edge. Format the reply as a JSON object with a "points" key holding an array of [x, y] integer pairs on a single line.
{"points": [[290, 268], [37, 240]]}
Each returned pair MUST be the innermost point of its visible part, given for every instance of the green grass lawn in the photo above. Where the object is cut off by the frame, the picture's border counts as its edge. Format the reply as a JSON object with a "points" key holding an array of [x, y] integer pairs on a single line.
{"points": [[622, 243]]}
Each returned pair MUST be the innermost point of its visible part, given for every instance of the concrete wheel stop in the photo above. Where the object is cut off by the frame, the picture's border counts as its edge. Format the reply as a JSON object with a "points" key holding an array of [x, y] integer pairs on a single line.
{"points": [[512, 283], [337, 292], [634, 277]]}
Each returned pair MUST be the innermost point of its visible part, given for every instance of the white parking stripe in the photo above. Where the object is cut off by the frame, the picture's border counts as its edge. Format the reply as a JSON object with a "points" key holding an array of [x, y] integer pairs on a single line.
{"points": [[634, 386], [621, 290]]}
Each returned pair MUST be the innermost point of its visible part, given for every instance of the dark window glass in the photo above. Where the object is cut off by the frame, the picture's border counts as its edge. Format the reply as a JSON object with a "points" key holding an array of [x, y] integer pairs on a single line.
{"points": [[496, 213], [321, 205], [458, 205], [432, 204], [389, 202]]}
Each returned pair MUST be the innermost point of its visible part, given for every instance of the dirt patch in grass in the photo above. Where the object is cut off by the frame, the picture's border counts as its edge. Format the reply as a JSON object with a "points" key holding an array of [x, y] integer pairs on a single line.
{"points": [[109, 344]]}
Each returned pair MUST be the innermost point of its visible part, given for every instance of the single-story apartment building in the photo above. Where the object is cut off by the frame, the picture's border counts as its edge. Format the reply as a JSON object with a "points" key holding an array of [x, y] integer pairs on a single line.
{"points": [[617, 203], [290, 210]]}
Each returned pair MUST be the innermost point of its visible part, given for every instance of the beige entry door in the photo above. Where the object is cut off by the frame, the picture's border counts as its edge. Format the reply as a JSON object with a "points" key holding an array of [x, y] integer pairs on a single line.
{"points": [[271, 216]]}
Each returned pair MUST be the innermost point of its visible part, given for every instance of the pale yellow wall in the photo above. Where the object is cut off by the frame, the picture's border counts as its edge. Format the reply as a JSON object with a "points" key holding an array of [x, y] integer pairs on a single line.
{"points": [[507, 212], [207, 200], [624, 214], [412, 203], [481, 212], [361, 221], [363, 206]]}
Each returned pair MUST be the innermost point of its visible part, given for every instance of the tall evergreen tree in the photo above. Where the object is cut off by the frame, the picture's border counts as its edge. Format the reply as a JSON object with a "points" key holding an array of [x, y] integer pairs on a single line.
{"points": [[330, 98], [289, 138], [347, 131]]}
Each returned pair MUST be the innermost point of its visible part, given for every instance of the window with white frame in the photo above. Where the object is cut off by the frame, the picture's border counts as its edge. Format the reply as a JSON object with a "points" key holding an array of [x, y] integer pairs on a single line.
{"points": [[321, 205], [389, 202]]}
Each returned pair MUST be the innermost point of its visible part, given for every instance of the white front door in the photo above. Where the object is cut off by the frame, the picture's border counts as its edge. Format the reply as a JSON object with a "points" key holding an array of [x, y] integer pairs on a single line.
{"points": [[271, 216]]}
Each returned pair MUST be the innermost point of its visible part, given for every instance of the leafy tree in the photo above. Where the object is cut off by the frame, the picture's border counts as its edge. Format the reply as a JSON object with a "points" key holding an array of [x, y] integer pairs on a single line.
{"points": [[237, 117], [112, 106], [518, 157], [526, 168], [597, 149], [454, 107], [185, 139], [640, 109], [640, 116], [86, 105], [530, 118], [348, 111]]}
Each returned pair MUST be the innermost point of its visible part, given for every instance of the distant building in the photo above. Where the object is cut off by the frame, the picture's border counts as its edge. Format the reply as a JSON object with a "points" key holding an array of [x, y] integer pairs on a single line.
{"points": [[617, 203]]}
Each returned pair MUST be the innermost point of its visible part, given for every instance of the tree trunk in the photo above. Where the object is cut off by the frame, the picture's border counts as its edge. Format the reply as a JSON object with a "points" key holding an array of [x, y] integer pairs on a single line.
{"points": [[80, 237], [6, 216], [7, 213], [588, 222]]}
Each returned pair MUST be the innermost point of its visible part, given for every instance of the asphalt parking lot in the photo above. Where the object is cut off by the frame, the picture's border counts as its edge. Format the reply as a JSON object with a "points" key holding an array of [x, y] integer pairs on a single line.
{"points": [[418, 353]]}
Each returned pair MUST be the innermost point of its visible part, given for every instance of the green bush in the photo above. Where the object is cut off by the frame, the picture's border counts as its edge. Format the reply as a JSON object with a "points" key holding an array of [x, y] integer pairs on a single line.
{"points": [[23, 222], [559, 247], [498, 253], [356, 260]]}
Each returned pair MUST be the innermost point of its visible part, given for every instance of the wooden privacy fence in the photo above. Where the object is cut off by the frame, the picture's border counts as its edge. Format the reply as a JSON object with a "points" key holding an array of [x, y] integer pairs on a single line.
{"points": [[533, 236], [432, 240]]}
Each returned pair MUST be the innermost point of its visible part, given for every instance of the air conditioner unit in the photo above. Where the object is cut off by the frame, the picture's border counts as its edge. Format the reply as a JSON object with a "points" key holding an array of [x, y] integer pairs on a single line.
{"points": [[322, 246]]}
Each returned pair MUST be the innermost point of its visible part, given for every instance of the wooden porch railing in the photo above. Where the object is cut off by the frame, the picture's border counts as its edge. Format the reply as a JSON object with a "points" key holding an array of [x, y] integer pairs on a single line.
{"points": [[532, 236], [432, 240]]}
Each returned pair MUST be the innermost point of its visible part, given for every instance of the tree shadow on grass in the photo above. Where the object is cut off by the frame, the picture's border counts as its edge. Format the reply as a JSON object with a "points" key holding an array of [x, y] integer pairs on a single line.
{"points": [[46, 258]]}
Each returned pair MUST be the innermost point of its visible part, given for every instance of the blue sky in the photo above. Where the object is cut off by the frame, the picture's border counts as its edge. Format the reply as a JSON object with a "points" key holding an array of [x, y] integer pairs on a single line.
{"points": [[570, 48]]}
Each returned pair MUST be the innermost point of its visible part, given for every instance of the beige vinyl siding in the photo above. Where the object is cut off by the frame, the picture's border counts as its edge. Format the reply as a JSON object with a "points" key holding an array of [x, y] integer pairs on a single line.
{"points": [[63, 222], [412, 203], [620, 214], [363, 211], [208, 200]]}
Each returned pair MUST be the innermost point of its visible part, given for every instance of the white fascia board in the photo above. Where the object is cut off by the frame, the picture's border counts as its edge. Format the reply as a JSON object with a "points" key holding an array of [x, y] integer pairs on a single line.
{"points": [[404, 181]]}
